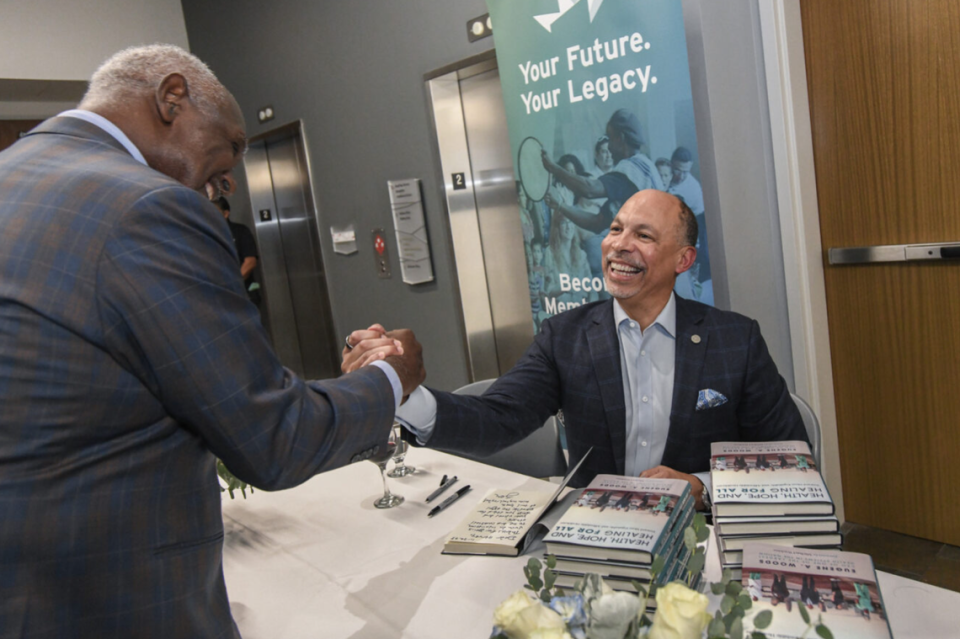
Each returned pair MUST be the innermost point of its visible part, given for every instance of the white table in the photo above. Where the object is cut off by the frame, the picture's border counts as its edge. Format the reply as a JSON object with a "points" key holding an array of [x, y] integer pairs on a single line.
{"points": [[320, 561]]}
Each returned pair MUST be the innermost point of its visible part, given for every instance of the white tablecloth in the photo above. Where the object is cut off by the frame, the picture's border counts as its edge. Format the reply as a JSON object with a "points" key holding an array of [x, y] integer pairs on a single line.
{"points": [[320, 561]]}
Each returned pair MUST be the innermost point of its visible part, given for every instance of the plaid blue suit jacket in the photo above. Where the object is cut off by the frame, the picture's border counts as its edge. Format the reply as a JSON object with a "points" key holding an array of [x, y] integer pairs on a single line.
{"points": [[574, 365], [129, 357]]}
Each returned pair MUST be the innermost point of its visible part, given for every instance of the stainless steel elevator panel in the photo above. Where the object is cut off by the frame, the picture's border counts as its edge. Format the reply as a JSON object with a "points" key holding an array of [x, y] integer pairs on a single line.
{"points": [[471, 130], [294, 287]]}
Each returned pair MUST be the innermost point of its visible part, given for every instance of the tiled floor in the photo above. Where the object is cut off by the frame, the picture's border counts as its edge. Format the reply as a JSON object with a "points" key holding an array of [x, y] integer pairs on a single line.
{"points": [[911, 557]]}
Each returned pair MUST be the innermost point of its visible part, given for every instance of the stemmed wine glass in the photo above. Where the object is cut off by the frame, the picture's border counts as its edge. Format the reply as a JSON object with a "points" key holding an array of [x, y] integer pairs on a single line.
{"points": [[389, 500], [400, 469]]}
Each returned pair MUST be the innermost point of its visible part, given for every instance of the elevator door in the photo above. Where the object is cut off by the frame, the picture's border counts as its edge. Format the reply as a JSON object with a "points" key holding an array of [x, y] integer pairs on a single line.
{"points": [[296, 299], [484, 215]]}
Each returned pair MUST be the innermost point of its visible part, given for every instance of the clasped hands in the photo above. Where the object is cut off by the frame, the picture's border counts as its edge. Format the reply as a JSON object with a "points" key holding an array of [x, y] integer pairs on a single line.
{"points": [[398, 348]]}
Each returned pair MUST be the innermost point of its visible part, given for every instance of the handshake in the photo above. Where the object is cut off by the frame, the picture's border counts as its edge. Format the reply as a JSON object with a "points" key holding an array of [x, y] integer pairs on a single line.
{"points": [[398, 348]]}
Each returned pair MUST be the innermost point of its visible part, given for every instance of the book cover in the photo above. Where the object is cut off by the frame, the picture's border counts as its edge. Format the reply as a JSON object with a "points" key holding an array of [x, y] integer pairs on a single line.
{"points": [[767, 478], [620, 518], [840, 587]]}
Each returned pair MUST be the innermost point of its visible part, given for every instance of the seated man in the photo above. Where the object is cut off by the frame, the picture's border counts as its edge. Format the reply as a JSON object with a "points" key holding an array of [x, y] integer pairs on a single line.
{"points": [[630, 374]]}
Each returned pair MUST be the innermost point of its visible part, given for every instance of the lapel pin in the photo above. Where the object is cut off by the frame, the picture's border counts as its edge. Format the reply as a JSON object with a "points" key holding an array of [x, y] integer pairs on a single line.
{"points": [[695, 339]]}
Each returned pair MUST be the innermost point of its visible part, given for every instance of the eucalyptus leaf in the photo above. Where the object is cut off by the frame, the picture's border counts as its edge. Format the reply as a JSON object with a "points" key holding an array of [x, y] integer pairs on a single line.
{"points": [[534, 564], [641, 591], [657, 566], [551, 561], [824, 632], [549, 579], [745, 601], [757, 635], [545, 596], [700, 521], [716, 629], [804, 614], [726, 604], [689, 539], [736, 629], [734, 588], [717, 588], [696, 562], [763, 619], [726, 576], [702, 534]]}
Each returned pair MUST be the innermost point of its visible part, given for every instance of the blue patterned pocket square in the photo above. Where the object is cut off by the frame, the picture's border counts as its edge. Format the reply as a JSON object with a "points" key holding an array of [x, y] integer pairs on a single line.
{"points": [[709, 398]]}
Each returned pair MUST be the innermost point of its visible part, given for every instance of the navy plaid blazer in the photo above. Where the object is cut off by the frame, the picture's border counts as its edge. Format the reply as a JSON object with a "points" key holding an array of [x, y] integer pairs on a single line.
{"points": [[129, 357], [574, 365]]}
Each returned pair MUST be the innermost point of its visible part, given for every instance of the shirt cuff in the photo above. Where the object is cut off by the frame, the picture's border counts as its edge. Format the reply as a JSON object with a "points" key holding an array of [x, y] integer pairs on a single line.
{"points": [[394, 381], [419, 414]]}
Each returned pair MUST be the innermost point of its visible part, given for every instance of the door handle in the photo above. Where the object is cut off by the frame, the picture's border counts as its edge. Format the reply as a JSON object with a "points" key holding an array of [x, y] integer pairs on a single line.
{"points": [[893, 253]]}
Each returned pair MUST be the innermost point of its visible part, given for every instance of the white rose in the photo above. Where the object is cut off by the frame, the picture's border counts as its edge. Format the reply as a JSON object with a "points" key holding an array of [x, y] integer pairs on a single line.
{"points": [[611, 614], [681, 613], [549, 633], [521, 614]]}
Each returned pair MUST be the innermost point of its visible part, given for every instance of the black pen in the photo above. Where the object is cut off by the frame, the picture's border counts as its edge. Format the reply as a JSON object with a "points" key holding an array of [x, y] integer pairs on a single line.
{"points": [[446, 484], [449, 500]]}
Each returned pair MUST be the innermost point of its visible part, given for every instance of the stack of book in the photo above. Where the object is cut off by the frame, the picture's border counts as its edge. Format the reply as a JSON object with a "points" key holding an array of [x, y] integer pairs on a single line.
{"points": [[618, 526], [770, 492], [839, 588]]}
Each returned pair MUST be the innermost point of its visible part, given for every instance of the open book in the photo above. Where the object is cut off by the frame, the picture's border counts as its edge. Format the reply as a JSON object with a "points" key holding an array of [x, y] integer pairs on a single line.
{"points": [[505, 522]]}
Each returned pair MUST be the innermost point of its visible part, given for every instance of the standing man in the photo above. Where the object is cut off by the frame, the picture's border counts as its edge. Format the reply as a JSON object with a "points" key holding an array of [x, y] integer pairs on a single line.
{"points": [[246, 251], [648, 379], [130, 358]]}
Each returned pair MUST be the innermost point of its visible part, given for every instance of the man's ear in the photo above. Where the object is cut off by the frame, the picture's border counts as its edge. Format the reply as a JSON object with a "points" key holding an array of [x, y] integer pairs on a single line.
{"points": [[170, 96], [687, 256]]}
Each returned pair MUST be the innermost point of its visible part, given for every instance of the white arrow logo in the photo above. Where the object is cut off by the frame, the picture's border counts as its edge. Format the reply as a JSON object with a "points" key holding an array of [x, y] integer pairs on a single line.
{"points": [[546, 20]]}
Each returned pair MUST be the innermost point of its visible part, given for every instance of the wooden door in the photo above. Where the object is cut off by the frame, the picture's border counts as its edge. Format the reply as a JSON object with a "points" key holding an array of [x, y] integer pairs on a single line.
{"points": [[884, 85], [10, 130]]}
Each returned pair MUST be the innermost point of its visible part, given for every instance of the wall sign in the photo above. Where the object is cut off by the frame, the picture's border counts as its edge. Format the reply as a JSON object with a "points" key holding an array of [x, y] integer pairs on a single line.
{"points": [[407, 208]]}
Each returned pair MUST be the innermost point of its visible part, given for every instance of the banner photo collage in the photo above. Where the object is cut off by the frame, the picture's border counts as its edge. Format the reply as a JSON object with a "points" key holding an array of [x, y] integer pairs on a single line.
{"points": [[599, 106]]}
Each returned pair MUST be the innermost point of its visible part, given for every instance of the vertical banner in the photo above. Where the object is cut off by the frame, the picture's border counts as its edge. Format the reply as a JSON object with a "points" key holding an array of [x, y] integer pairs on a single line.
{"points": [[599, 106]]}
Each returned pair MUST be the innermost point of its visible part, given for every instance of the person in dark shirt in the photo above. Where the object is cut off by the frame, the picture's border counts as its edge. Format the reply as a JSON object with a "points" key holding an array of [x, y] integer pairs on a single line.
{"points": [[246, 251]]}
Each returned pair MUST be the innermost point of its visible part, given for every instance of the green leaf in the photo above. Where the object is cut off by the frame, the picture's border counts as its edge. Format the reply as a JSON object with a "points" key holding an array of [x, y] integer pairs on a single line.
{"points": [[549, 578], [757, 635], [641, 591], [689, 539], [737, 611], [560, 592], [734, 588], [702, 534], [726, 576], [534, 564], [700, 521], [763, 619], [551, 561], [745, 601], [726, 604], [803, 613], [716, 629], [695, 565], [545, 596], [717, 588], [824, 632], [657, 567], [736, 629]]}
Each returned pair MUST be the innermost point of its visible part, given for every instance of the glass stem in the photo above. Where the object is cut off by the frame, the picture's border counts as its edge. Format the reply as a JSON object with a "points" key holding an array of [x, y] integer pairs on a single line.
{"points": [[383, 475]]}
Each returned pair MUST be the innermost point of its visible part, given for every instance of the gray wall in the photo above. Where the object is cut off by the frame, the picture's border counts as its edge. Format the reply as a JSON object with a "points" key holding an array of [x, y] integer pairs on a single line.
{"points": [[353, 71]]}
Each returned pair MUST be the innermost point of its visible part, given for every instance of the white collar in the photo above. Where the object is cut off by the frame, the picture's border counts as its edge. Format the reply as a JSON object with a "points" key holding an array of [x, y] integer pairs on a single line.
{"points": [[667, 319], [109, 127]]}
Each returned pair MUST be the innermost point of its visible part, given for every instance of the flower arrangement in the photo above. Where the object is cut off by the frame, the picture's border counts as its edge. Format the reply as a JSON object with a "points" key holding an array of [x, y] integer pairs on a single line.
{"points": [[595, 611]]}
